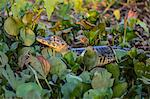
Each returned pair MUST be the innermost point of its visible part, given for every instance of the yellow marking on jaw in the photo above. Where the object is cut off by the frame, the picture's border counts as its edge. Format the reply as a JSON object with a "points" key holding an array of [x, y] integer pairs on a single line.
{"points": [[55, 42]]}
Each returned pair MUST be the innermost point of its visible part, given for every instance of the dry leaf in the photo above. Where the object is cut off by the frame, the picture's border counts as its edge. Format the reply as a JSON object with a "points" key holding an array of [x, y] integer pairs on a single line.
{"points": [[45, 64], [132, 14]]}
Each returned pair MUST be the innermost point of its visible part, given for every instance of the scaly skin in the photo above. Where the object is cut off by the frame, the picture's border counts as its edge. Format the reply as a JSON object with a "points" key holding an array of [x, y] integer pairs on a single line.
{"points": [[105, 53]]}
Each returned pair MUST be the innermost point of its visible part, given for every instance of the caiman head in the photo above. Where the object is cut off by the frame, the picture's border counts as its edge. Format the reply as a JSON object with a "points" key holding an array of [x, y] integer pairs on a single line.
{"points": [[54, 42]]}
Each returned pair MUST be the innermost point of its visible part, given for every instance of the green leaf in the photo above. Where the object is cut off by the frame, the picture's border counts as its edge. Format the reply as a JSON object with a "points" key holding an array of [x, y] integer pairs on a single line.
{"points": [[148, 62], [120, 53], [100, 93], [10, 76], [23, 54], [14, 46], [77, 5], [114, 69], [28, 36], [133, 52], [102, 79], [139, 68], [90, 57], [8, 93], [33, 94], [50, 6], [19, 7], [64, 11], [4, 47], [86, 76], [25, 89], [11, 26], [47, 52], [70, 57], [142, 24], [3, 59], [70, 78], [72, 88], [35, 63], [58, 66], [120, 89], [3, 4]]}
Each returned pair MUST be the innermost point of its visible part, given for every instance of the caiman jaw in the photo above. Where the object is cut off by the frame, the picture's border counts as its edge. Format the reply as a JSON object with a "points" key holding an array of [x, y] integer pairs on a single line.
{"points": [[42, 40], [55, 42]]}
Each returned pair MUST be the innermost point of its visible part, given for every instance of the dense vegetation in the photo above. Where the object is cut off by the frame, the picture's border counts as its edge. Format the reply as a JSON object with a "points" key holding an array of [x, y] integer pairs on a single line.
{"points": [[30, 70]]}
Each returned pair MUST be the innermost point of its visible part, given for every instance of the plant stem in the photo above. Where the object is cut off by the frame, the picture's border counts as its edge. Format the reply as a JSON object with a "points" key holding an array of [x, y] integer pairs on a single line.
{"points": [[48, 85], [125, 28], [37, 80]]}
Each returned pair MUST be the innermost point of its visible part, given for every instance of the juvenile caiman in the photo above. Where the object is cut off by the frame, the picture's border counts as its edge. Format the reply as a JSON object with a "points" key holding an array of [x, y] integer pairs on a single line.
{"points": [[105, 54]]}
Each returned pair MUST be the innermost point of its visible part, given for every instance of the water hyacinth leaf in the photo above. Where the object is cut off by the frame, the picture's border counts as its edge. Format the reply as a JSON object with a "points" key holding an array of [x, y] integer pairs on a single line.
{"points": [[8, 93], [26, 50], [64, 10], [4, 47], [27, 18], [70, 57], [139, 68], [142, 24], [89, 58], [99, 93], [25, 88], [119, 89], [58, 66], [50, 6], [33, 94], [19, 7], [9, 75], [47, 52], [45, 64], [86, 77], [120, 53], [132, 53], [3, 4], [77, 5], [23, 55], [14, 46], [102, 80], [11, 26], [3, 59], [72, 88], [28, 36], [36, 64], [70, 78], [114, 69]]}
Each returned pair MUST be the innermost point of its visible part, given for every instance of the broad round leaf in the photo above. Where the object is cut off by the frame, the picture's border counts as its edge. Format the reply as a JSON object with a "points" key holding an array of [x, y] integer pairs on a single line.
{"points": [[58, 66], [24, 89], [45, 64], [27, 18], [102, 80], [11, 26], [119, 89], [3, 59], [28, 36]]}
